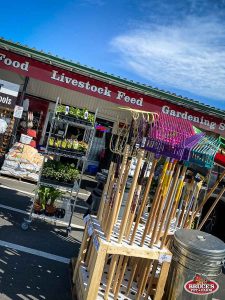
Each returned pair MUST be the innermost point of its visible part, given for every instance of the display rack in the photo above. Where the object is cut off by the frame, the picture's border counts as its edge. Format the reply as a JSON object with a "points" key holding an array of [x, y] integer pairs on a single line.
{"points": [[126, 256], [67, 202], [97, 256]]}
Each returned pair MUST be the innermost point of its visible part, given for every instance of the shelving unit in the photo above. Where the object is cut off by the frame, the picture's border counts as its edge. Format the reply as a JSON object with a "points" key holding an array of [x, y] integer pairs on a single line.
{"points": [[71, 190]]}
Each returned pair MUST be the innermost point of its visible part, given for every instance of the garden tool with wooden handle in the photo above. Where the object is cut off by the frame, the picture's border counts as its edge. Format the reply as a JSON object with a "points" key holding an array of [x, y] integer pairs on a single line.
{"points": [[150, 219], [111, 194], [144, 200], [130, 195], [198, 184], [135, 200], [208, 195], [162, 203], [105, 190], [113, 212], [211, 209], [174, 203]]}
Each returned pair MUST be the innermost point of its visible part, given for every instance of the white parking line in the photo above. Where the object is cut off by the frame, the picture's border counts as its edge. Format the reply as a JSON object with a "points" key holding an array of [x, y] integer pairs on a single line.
{"points": [[35, 252], [32, 194], [17, 190], [27, 213], [14, 209]]}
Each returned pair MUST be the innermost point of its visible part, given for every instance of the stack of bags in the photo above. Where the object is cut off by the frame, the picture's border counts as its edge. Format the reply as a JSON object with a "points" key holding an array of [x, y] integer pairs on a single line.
{"points": [[22, 161]]}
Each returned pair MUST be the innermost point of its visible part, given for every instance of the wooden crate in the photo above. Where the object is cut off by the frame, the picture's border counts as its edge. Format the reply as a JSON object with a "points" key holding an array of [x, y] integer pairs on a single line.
{"points": [[124, 248], [91, 269]]}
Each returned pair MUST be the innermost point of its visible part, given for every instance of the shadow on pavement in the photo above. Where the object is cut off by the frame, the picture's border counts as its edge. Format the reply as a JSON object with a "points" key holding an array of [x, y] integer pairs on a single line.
{"points": [[27, 276]]}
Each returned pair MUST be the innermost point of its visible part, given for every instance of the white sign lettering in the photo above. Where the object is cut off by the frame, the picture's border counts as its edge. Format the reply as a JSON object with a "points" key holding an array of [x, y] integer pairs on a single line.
{"points": [[195, 119], [8, 93], [95, 89], [16, 64], [123, 96]]}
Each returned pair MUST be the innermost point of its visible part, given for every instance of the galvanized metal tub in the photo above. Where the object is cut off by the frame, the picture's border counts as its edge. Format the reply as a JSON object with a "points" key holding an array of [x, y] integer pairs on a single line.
{"points": [[196, 263]]}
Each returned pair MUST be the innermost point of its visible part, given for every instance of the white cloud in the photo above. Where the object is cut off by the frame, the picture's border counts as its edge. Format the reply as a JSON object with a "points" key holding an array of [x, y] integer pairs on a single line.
{"points": [[189, 56]]}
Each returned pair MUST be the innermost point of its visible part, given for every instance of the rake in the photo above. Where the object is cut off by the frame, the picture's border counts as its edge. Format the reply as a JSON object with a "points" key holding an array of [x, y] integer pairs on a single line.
{"points": [[169, 136], [204, 151]]}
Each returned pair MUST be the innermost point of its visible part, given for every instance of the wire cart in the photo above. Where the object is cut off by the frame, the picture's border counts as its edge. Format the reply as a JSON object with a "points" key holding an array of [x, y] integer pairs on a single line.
{"points": [[67, 200]]}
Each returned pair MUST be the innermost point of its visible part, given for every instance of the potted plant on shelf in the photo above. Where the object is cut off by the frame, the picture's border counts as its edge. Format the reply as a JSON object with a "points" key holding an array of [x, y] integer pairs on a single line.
{"points": [[43, 197], [76, 114], [50, 208], [51, 142]]}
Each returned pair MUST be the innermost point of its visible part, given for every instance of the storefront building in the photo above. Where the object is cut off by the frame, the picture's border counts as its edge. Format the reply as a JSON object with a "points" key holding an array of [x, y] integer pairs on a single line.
{"points": [[42, 78]]}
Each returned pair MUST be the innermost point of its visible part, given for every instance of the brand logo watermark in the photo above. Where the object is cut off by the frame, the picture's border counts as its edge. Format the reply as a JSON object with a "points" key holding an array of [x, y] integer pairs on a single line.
{"points": [[200, 285]]}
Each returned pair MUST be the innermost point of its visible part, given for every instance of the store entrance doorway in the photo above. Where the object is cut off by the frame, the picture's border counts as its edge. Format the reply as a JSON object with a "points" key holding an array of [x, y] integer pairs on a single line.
{"points": [[100, 152]]}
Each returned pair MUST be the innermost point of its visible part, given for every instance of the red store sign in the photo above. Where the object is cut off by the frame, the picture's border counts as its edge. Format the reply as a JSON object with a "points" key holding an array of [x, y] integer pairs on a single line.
{"points": [[93, 87]]}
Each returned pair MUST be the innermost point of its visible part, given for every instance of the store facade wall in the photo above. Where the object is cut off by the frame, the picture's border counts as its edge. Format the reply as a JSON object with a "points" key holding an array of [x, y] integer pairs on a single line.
{"points": [[47, 82], [103, 89]]}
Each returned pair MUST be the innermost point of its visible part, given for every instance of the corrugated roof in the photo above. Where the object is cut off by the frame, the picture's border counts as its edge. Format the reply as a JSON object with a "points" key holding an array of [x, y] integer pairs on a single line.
{"points": [[117, 80]]}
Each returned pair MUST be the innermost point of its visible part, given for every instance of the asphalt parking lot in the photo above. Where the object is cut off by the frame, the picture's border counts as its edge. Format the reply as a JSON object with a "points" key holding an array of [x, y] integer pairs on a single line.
{"points": [[34, 264]]}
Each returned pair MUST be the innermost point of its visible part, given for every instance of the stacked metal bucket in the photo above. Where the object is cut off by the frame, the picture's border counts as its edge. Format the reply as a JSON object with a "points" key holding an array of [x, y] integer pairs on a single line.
{"points": [[197, 261]]}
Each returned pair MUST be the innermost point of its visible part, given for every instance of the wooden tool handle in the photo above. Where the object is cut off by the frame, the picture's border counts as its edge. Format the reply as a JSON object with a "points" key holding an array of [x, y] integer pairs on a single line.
{"points": [[102, 203], [209, 194], [211, 209], [117, 274], [163, 198], [132, 212], [144, 200], [130, 195], [131, 279], [177, 184], [143, 278], [154, 203], [110, 275], [122, 188], [121, 276], [159, 194], [115, 208], [135, 200], [189, 222], [154, 269]]}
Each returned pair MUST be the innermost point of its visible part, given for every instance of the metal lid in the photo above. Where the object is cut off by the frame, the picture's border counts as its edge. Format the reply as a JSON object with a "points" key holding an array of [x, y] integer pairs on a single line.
{"points": [[199, 242]]}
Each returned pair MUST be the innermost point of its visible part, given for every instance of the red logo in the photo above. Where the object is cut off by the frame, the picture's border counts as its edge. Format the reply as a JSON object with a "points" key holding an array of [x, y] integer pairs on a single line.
{"points": [[200, 285]]}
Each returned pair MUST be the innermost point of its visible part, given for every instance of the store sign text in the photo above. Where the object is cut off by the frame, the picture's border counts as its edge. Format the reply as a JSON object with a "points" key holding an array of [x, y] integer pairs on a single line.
{"points": [[5, 100], [195, 119], [109, 91], [14, 63], [95, 89], [8, 94]]}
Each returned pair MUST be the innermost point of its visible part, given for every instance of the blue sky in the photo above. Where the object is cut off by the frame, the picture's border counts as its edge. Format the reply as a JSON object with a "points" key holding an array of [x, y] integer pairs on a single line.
{"points": [[178, 46]]}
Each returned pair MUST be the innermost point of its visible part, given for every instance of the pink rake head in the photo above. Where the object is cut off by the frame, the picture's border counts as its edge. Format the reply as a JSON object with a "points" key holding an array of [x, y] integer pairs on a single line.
{"points": [[167, 136]]}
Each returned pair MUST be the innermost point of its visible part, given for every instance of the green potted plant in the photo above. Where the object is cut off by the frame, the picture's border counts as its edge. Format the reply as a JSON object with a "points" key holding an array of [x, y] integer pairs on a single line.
{"points": [[75, 144], [64, 144], [69, 144], [50, 209], [61, 109], [51, 141], [43, 197]]}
